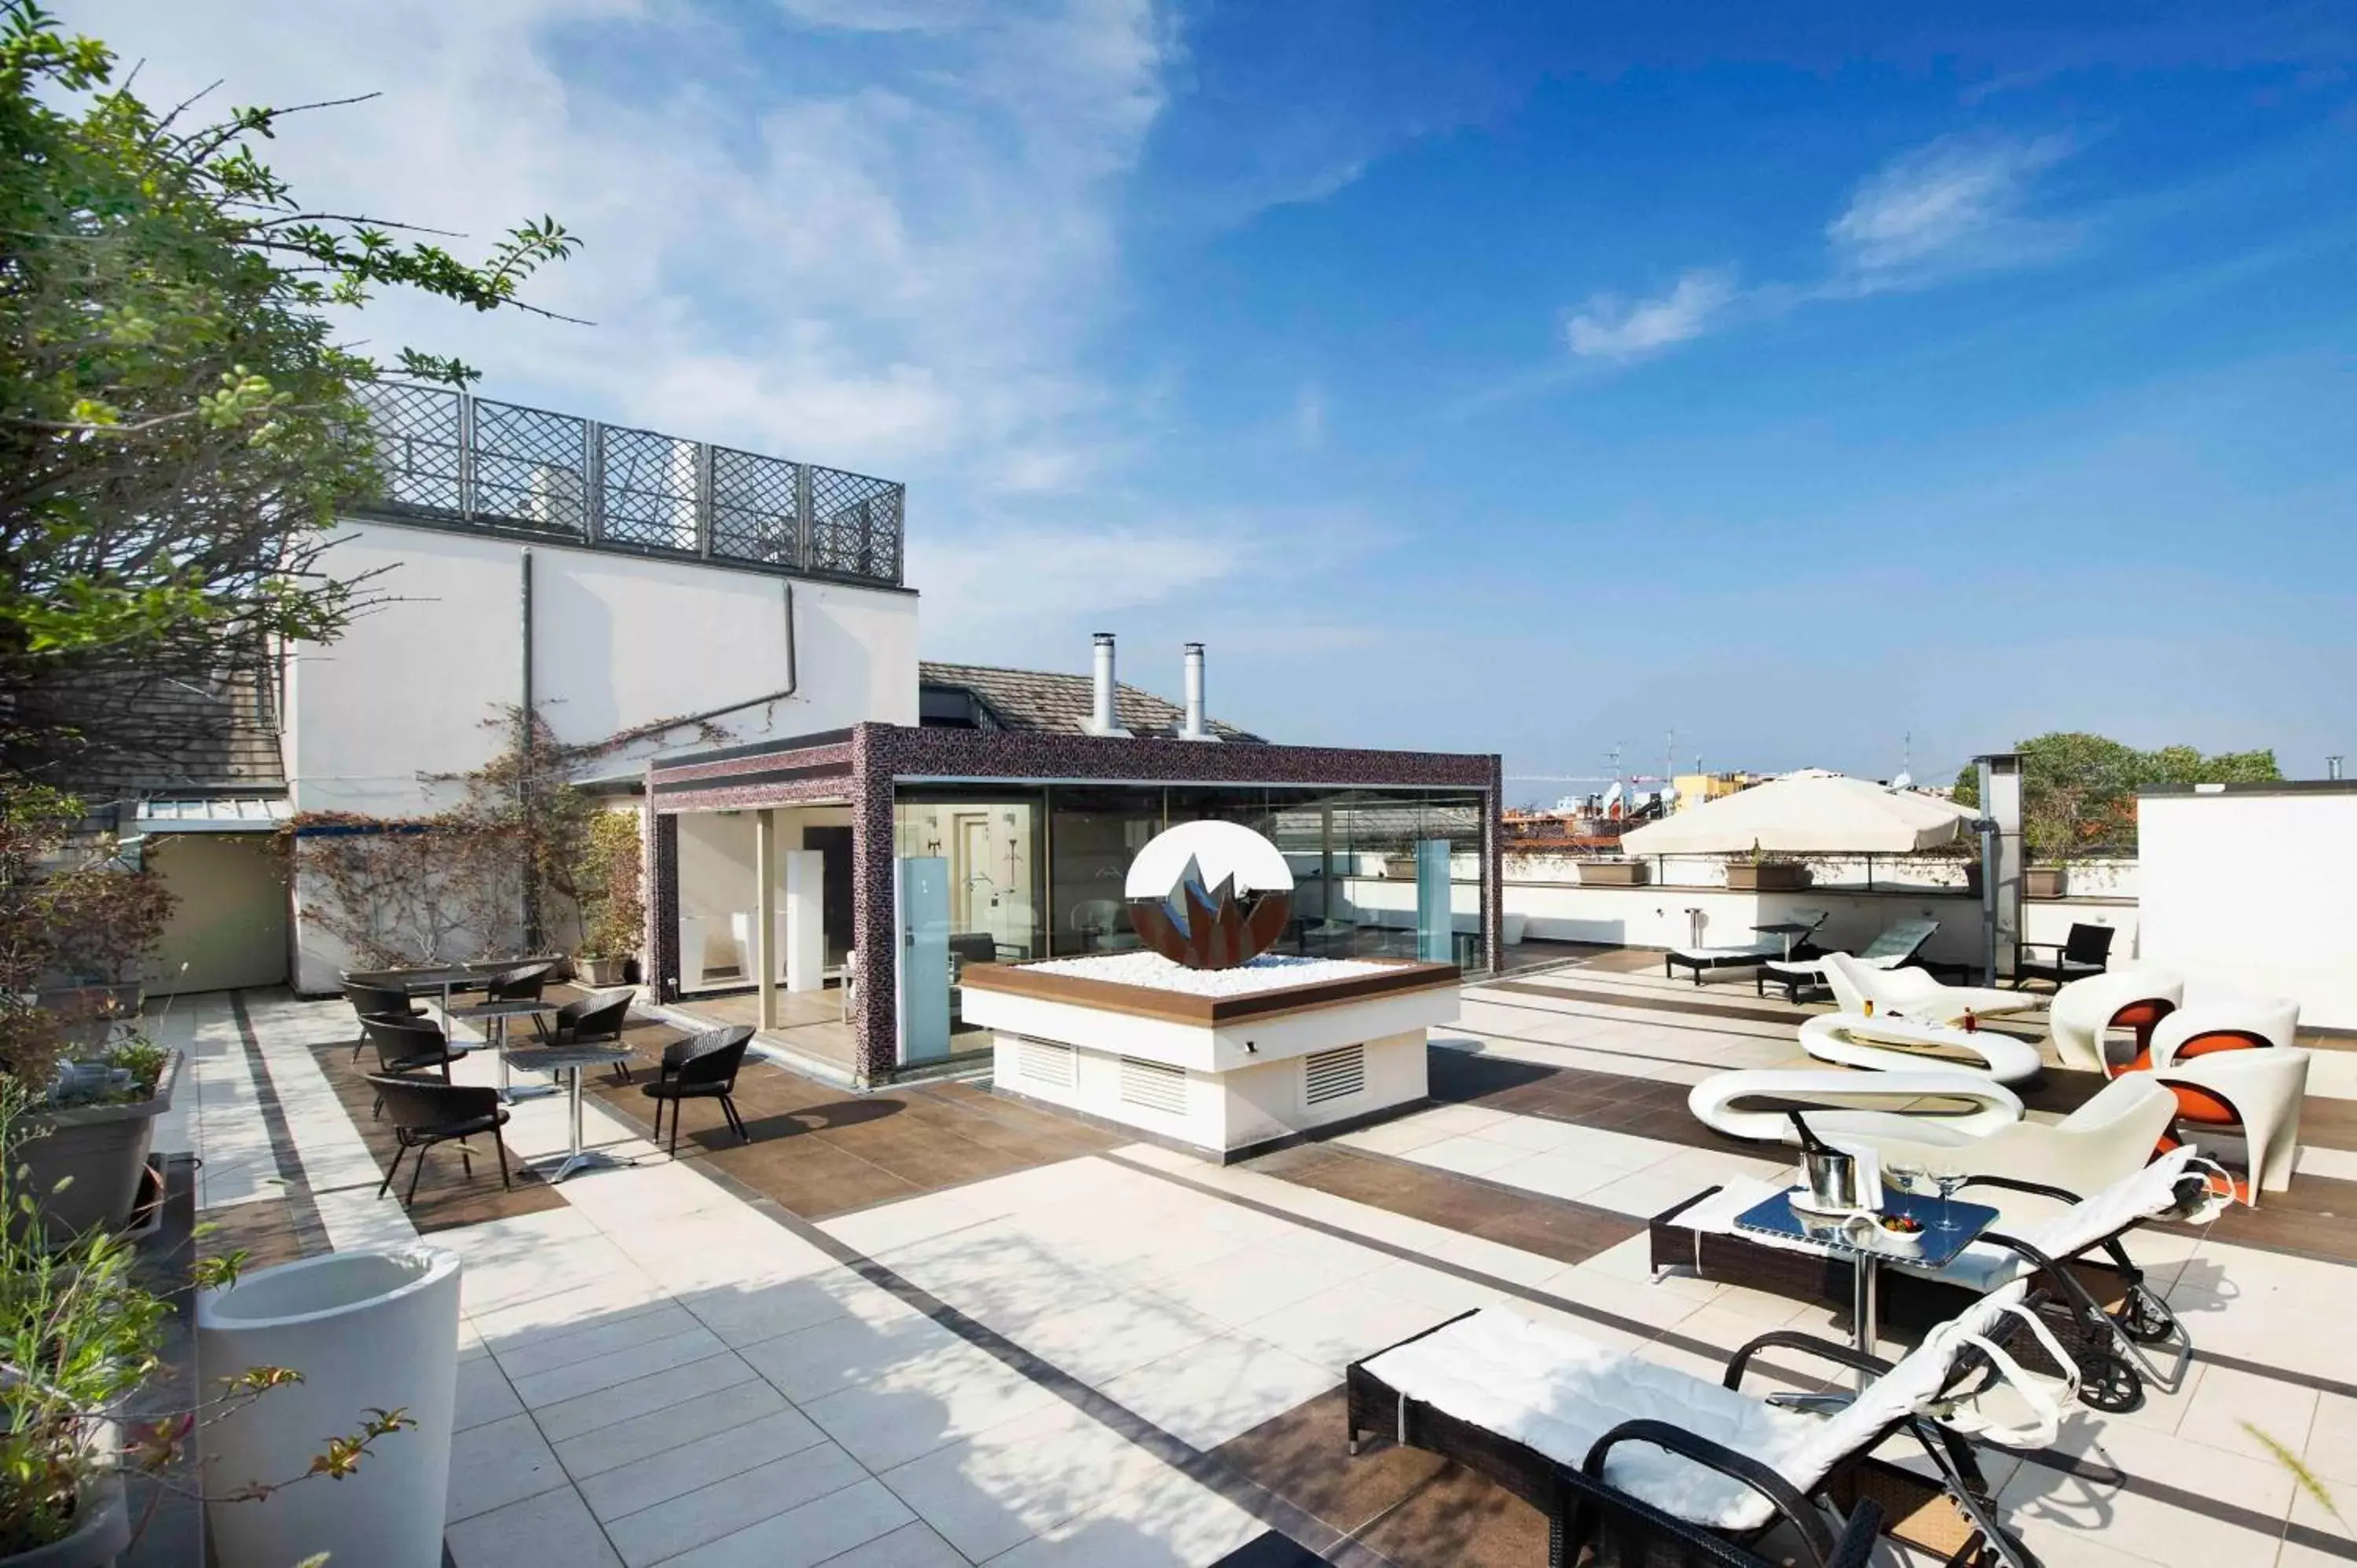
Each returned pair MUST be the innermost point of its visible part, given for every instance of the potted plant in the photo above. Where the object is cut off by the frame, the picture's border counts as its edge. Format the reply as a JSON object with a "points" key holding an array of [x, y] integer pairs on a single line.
{"points": [[83, 1336], [97, 1118], [612, 902], [2044, 881], [1615, 873], [1758, 870]]}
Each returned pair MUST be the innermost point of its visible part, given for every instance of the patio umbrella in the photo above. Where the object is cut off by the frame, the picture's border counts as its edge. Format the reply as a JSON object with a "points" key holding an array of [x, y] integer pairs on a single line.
{"points": [[1806, 813]]}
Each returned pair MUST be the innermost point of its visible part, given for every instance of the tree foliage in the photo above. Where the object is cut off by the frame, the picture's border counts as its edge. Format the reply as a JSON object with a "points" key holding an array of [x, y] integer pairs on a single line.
{"points": [[2079, 790], [179, 422]]}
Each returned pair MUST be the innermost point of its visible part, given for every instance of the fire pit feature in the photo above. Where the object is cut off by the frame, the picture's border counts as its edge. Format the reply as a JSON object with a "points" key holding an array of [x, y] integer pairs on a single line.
{"points": [[1208, 1041]]}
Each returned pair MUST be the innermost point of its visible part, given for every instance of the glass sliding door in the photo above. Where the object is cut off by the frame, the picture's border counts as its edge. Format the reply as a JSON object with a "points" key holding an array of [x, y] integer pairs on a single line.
{"points": [[1093, 833]]}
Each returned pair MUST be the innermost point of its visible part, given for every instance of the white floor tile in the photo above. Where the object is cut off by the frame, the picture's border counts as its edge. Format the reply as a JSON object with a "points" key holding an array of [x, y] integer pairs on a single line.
{"points": [[1212, 1391], [692, 1466], [496, 1464], [815, 1532], [691, 1519], [553, 1528]]}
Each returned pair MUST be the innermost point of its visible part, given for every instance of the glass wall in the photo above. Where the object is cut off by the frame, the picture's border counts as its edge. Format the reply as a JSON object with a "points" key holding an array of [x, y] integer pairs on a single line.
{"points": [[1039, 873]]}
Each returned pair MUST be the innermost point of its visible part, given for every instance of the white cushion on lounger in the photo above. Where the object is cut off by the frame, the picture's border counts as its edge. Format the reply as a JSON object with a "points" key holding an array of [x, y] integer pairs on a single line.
{"points": [[2133, 1199], [1556, 1392]]}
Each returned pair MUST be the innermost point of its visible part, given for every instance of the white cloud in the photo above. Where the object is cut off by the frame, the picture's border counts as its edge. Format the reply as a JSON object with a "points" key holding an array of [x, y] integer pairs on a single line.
{"points": [[998, 589], [1309, 416], [1956, 205], [879, 236], [1609, 328]]}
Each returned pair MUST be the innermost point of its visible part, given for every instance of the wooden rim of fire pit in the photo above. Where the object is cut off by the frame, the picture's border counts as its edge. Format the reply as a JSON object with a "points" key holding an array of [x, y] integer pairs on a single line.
{"points": [[1398, 976]]}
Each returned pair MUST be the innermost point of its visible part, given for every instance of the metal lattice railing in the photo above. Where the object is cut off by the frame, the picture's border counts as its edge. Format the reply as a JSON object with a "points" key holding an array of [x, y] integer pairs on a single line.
{"points": [[448, 456]]}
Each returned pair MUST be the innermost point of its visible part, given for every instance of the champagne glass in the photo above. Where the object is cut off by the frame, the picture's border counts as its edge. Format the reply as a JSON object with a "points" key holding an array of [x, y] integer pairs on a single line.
{"points": [[1901, 1175], [1950, 1178]]}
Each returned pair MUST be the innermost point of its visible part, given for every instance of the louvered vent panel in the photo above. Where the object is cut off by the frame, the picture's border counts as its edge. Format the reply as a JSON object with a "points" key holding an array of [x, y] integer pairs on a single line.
{"points": [[1038, 1061], [1154, 1086], [1333, 1075]]}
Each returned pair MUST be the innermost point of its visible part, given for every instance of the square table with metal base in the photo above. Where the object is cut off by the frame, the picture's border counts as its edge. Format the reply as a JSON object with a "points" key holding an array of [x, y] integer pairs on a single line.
{"points": [[570, 1062], [1789, 930], [1775, 1216], [496, 1016]]}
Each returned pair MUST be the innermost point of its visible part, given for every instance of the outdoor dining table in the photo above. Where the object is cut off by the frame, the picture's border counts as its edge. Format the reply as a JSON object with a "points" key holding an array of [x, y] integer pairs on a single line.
{"points": [[569, 1062], [495, 1015], [1776, 1219]]}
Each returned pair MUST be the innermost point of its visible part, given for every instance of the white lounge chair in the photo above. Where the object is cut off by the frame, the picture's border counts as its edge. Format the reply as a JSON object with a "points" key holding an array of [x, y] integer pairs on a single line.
{"points": [[2085, 1011], [1517, 1400], [1884, 1044], [1861, 987], [2111, 1135], [1927, 1103], [2259, 1092], [1741, 955], [1898, 942]]}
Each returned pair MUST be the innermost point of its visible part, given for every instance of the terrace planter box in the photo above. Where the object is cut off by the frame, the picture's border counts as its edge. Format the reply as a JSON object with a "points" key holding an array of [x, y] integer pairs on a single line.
{"points": [[604, 970], [1615, 873], [1770, 877], [2043, 882], [101, 1151]]}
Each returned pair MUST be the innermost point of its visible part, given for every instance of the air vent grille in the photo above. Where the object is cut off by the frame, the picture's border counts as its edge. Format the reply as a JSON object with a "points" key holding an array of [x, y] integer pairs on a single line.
{"points": [[1040, 1061], [1333, 1075], [1153, 1086]]}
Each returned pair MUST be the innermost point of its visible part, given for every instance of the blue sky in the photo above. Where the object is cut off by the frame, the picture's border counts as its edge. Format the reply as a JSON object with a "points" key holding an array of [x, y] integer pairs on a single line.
{"points": [[1528, 379]]}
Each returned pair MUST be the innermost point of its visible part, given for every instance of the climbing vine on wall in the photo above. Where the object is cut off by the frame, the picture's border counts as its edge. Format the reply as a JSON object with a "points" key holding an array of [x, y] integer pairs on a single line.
{"points": [[521, 861]]}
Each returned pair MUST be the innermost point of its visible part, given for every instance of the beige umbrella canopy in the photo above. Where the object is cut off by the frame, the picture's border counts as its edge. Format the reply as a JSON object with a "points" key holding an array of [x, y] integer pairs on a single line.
{"points": [[1807, 813]]}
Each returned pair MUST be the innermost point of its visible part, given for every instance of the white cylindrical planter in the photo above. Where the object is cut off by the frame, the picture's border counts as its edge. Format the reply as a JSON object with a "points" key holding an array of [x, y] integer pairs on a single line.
{"points": [[375, 1330]]}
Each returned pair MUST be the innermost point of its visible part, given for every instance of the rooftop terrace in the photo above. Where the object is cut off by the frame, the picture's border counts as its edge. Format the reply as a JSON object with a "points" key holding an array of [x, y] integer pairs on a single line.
{"points": [[939, 1326], [450, 459]]}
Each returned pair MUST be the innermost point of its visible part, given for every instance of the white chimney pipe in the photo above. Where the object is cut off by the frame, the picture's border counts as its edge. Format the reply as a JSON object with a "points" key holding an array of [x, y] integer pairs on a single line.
{"points": [[1102, 717], [1195, 729]]}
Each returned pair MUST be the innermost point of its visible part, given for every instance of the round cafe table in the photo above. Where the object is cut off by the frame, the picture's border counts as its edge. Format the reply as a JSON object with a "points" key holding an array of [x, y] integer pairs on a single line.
{"points": [[569, 1062], [495, 1016]]}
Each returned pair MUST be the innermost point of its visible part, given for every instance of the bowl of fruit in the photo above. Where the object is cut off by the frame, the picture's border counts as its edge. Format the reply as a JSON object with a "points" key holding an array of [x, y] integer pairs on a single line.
{"points": [[1900, 1233]]}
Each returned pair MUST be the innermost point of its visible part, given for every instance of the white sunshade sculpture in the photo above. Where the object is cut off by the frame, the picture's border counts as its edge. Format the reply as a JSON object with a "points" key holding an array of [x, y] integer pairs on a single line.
{"points": [[1807, 813]]}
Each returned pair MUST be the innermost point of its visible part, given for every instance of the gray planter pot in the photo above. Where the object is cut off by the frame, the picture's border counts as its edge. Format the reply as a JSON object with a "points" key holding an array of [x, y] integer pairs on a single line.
{"points": [[1615, 873], [103, 1535], [104, 1148], [1773, 876], [2043, 882], [602, 971]]}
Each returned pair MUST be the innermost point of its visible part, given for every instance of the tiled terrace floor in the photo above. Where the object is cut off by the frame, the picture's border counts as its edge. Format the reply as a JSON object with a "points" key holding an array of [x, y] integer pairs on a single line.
{"points": [[937, 1327]]}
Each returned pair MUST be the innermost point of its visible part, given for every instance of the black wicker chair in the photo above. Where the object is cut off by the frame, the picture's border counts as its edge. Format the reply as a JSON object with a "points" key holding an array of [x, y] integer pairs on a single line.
{"points": [[376, 1002], [408, 1047], [701, 1067], [595, 1019], [2088, 951], [426, 1113]]}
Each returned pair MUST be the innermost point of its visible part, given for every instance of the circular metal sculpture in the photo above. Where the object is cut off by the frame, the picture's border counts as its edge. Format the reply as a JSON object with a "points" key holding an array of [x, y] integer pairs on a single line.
{"points": [[1210, 895]]}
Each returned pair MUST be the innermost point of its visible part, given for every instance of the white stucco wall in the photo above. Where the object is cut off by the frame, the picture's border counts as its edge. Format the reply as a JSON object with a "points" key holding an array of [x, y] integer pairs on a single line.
{"points": [[617, 641], [2257, 892]]}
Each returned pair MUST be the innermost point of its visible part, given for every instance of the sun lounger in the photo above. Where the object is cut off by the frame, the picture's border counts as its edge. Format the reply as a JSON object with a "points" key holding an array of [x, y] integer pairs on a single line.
{"points": [[1741, 955], [1899, 943], [1902, 1044], [2046, 1239], [1520, 1402], [1914, 993], [1930, 1101]]}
